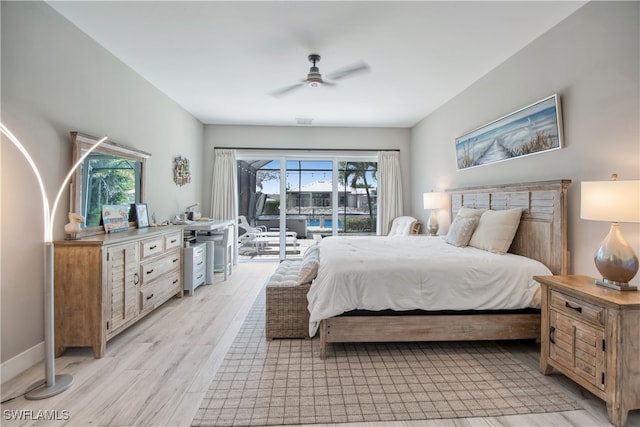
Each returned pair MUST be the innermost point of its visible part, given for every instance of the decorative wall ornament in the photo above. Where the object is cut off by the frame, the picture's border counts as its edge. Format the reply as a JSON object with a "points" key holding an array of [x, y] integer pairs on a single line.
{"points": [[181, 174], [530, 130]]}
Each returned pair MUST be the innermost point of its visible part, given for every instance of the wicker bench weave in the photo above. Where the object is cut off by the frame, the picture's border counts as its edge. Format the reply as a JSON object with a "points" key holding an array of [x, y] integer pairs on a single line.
{"points": [[287, 315]]}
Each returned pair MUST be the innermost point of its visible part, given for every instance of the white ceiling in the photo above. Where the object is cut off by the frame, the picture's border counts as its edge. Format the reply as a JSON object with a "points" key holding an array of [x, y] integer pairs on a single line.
{"points": [[220, 60]]}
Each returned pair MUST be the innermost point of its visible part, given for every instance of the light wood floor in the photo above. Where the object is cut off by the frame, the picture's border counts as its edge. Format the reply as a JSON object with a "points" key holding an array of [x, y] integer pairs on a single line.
{"points": [[157, 372]]}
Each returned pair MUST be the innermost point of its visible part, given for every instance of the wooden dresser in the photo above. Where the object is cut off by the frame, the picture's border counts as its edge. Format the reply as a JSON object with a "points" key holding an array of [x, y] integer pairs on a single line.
{"points": [[106, 283], [592, 335]]}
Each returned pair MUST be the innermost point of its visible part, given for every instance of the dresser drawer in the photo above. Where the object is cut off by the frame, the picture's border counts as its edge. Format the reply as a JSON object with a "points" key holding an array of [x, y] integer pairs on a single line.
{"points": [[151, 247], [172, 241], [152, 269], [578, 308], [154, 294]]}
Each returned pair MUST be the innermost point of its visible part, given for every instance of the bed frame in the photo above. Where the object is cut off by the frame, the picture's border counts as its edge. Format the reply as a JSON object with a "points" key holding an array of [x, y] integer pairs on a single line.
{"points": [[542, 235]]}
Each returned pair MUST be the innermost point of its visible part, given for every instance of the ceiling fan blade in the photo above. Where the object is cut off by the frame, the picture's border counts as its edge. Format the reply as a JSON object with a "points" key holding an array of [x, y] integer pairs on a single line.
{"points": [[361, 67], [285, 90]]}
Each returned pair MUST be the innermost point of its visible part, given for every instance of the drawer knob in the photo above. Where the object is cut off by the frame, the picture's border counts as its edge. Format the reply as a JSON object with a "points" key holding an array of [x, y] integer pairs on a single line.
{"points": [[149, 297], [573, 307], [176, 260], [175, 281], [153, 247], [552, 334], [173, 241], [150, 271]]}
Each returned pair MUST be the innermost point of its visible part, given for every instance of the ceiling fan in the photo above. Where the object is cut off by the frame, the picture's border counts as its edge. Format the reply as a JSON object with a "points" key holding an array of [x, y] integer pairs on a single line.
{"points": [[314, 78]]}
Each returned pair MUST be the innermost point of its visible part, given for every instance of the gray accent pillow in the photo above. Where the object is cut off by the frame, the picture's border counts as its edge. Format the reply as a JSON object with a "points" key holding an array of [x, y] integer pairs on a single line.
{"points": [[461, 230]]}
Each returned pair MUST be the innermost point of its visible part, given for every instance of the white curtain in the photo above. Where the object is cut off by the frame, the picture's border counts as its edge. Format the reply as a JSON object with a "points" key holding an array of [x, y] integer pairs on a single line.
{"points": [[389, 189], [224, 190]]}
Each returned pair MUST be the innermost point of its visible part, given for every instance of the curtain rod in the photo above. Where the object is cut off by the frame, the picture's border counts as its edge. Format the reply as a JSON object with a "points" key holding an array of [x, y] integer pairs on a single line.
{"points": [[305, 149]]}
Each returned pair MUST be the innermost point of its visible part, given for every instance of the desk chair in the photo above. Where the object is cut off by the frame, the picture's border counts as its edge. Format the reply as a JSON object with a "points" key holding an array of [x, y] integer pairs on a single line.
{"points": [[224, 240]]}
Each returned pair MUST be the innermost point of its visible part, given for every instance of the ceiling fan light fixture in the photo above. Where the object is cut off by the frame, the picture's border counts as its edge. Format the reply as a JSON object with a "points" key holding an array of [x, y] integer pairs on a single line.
{"points": [[314, 78], [314, 82]]}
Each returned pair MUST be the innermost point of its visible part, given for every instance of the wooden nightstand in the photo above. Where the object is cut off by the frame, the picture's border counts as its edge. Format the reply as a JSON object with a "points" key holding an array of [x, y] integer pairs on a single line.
{"points": [[592, 335]]}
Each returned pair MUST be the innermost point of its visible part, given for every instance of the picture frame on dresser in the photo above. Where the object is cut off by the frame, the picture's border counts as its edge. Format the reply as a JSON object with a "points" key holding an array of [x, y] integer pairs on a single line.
{"points": [[142, 215], [115, 218]]}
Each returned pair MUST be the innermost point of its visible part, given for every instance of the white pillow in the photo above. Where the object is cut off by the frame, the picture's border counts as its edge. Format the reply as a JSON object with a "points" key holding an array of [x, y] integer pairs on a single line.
{"points": [[460, 231], [470, 213], [309, 265], [496, 230]]}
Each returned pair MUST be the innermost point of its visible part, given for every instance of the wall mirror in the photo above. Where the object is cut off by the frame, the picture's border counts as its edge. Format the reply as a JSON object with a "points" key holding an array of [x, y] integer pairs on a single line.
{"points": [[113, 174]]}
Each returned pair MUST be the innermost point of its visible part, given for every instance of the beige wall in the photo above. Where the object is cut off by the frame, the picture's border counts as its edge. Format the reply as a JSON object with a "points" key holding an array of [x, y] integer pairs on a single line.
{"points": [[324, 138], [55, 79], [592, 61]]}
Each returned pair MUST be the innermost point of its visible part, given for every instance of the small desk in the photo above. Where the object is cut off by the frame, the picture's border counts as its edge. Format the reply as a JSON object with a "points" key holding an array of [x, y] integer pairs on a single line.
{"points": [[211, 225], [201, 229]]}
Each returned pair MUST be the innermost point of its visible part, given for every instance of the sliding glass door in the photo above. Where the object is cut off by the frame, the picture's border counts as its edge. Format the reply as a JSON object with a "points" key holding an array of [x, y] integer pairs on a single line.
{"points": [[319, 196], [358, 199]]}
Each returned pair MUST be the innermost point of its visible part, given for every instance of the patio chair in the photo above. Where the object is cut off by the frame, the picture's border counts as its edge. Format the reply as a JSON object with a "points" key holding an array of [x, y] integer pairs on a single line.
{"points": [[247, 233]]}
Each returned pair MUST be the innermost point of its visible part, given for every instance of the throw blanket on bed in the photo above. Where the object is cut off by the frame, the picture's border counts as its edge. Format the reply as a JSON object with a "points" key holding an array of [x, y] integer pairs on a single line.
{"points": [[417, 272]]}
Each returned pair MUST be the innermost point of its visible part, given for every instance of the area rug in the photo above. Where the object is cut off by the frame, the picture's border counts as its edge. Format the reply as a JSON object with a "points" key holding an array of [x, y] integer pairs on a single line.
{"points": [[284, 382]]}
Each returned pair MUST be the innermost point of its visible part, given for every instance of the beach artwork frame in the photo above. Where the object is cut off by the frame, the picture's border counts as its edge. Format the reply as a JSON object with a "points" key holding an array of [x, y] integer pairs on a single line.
{"points": [[115, 218], [533, 129]]}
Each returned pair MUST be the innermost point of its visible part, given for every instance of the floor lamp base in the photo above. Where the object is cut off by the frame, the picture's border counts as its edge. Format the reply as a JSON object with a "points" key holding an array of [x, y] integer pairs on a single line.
{"points": [[45, 391]]}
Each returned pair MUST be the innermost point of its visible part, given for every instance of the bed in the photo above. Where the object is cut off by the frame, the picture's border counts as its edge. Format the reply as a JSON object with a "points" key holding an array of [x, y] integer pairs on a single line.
{"points": [[541, 238]]}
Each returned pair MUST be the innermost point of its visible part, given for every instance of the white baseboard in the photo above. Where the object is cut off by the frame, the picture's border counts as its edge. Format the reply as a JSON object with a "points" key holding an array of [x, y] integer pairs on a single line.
{"points": [[20, 363]]}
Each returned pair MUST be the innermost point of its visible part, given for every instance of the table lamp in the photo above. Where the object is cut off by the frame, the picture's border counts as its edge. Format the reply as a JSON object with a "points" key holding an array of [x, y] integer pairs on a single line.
{"points": [[614, 201], [433, 201]]}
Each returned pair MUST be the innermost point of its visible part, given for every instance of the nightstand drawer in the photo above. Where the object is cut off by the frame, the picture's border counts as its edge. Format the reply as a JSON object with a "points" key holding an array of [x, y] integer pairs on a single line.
{"points": [[578, 346], [577, 307]]}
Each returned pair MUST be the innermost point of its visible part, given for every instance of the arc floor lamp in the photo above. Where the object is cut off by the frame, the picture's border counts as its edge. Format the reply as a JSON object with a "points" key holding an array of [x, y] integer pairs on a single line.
{"points": [[53, 384]]}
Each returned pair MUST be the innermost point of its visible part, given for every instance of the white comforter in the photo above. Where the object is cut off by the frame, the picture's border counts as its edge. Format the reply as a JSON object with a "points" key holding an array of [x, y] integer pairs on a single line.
{"points": [[417, 272]]}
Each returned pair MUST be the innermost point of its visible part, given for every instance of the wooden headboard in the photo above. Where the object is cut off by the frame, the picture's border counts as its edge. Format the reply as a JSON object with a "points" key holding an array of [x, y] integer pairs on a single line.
{"points": [[542, 234]]}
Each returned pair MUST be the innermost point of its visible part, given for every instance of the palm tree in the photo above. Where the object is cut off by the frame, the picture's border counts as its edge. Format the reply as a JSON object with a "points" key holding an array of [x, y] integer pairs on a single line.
{"points": [[352, 173]]}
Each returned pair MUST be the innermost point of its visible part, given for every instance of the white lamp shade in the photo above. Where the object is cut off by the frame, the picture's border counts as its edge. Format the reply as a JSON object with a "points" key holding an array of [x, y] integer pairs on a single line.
{"points": [[433, 200], [613, 201]]}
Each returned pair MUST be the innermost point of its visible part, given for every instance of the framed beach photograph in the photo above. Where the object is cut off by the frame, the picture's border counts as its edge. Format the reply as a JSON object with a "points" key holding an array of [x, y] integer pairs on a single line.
{"points": [[533, 129], [115, 218], [142, 215]]}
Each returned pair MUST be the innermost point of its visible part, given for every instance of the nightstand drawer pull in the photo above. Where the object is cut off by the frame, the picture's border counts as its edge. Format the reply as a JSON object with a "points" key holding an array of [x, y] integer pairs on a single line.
{"points": [[578, 308], [552, 334], [149, 297]]}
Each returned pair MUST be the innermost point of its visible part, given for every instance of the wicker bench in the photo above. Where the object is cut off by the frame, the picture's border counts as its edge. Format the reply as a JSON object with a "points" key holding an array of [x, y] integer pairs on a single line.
{"points": [[287, 315]]}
